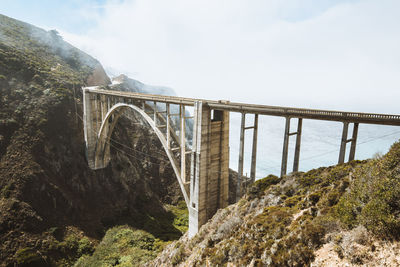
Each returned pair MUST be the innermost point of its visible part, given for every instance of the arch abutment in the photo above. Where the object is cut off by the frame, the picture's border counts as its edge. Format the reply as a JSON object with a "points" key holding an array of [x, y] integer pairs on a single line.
{"points": [[89, 126], [194, 204], [209, 171], [241, 158]]}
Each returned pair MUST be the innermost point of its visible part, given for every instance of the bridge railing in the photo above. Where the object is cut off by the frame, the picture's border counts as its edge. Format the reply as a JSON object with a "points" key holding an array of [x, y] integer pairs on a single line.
{"points": [[331, 115]]}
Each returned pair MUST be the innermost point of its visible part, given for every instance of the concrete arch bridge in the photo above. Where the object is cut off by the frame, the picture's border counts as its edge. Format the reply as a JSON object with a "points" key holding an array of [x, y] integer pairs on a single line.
{"points": [[202, 165]]}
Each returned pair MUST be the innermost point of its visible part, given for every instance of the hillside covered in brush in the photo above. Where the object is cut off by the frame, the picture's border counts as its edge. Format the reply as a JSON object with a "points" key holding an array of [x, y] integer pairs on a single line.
{"points": [[53, 208], [344, 215], [55, 211]]}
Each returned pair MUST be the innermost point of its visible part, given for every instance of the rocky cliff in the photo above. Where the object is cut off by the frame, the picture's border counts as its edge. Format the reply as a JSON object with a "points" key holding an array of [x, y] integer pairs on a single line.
{"points": [[53, 208], [344, 215]]}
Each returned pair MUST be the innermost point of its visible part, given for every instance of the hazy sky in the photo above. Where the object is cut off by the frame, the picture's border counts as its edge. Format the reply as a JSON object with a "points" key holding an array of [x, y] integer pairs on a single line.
{"points": [[305, 53]]}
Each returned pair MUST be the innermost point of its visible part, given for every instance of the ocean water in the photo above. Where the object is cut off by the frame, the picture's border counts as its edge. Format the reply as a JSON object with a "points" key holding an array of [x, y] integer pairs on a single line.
{"points": [[320, 143]]}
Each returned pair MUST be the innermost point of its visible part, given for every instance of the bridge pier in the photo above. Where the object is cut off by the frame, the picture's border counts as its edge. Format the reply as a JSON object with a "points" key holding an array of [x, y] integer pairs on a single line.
{"points": [[286, 146], [254, 150], [353, 142], [241, 158], [344, 142], [297, 147], [93, 115], [243, 128], [209, 179]]}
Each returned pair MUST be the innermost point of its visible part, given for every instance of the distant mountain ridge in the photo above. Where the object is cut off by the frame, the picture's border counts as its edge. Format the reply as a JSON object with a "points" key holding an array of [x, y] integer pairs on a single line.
{"points": [[124, 83]]}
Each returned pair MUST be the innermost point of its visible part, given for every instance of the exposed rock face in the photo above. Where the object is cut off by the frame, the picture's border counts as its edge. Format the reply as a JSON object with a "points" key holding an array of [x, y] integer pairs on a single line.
{"points": [[344, 215], [98, 77], [47, 191], [124, 83], [357, 248]]}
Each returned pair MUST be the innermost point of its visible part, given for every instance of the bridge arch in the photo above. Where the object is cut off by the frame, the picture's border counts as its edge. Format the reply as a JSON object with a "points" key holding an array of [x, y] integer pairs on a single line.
{"points": [[205, 186], [102, 148]]}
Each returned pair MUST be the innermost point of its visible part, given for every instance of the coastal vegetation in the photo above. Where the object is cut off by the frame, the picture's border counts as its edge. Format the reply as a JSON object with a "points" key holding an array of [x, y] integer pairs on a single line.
{"points": [[284, 222], [55, 211]]}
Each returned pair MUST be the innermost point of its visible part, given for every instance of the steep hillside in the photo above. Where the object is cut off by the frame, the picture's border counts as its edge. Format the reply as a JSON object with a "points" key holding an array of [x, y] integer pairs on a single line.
{"points": [[124, 83], [53, 208], [345, 214]]}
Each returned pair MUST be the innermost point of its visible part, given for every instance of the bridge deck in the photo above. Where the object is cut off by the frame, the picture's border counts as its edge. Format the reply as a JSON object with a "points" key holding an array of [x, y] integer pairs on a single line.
{"points": [[316, 114]]}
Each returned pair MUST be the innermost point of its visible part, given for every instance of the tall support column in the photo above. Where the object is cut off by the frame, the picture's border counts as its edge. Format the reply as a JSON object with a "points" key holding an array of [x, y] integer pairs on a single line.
{"points": [[285, 148], [101, 107], [224, 160], [90, 137], [104, 108], [194, 203], [168, 125], [343, 143], [95, 103], [183, 143], [241, 158], [209, 169], [254, 150], [155, 113], [297, 148], [92, 107], [353, 142]]}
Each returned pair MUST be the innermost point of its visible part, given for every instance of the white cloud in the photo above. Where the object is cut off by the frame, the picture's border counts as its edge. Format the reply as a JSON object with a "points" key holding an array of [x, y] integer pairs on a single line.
{"points": [[295, 53]]}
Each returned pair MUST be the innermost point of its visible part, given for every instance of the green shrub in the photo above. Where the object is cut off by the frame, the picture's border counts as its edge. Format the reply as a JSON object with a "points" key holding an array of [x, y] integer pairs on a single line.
{"points": [[314, 197], [29, 257], [178, 255], [121, 246], [7, 190], [258, 187], [292, 201], [85, 246], [374, 196], [181, 216]]}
